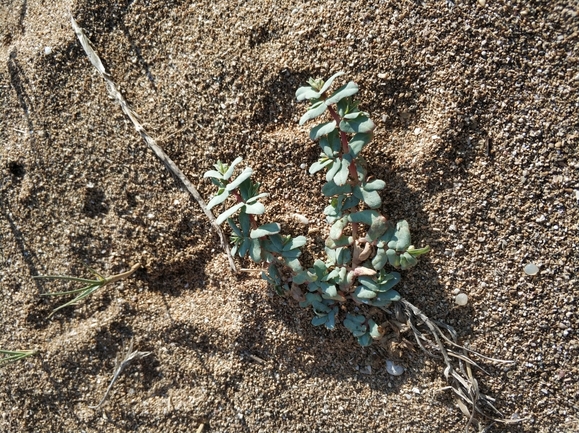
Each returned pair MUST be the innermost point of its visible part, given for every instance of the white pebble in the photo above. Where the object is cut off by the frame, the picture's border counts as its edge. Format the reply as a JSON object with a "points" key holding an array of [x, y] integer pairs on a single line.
{"points": [[393, 369], [456, 292], [531, 269], [417, 131], [303, 166], [461, 299], [47, 51], [301, 218], [151, 216]]}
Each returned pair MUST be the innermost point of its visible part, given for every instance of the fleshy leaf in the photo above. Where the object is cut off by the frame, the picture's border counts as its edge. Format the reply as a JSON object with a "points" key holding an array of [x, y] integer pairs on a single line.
{"points": [[255, 251], [338, 228], [265, 230], [375, 185], [293, 243], [364, 293], [401, 239], [245, 174], [341, 176], [320, 164], [360, 124], [229, 171], [330, 189], [315, 110], [229, 212], [365, 340], [218, 199], [328, 83], [213, 173], [306, 92], [358, 142], [343, 92], [255, 208], [322, 129]]}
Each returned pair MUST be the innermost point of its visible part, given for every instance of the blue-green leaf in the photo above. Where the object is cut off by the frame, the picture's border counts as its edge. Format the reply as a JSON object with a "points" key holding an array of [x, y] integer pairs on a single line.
{"points": [[244, 248], [257, 197], [363, 293], [375, 185], [371, 198], [365, 340], [320, 164], [255, 251], [306, 92], [343, 92], [341, 177], [255, 208], [315, 110], [374, 330], [328, 83], [229, 171], [387, 281], [369, 283], [236, 231], [360, 124], [265, 230], [379, 259], [322, 129], [401, 239], [245, 174], [330, 189], [338, 228], [357, 143], [213, 173], [218, 199], [293, 243], [229, 212]]}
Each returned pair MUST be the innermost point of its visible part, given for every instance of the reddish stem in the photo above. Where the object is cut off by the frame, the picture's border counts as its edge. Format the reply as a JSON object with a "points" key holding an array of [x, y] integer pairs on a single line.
{"points": [[344, 141]]}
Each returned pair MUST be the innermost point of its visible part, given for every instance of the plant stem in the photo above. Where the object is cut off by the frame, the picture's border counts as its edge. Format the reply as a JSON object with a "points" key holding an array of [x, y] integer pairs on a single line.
{"points": [[344, 141]]}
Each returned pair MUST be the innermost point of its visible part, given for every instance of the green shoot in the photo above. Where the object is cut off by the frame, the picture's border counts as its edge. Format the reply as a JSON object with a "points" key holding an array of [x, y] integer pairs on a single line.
{"points": [[90, 287], [14, 356]]}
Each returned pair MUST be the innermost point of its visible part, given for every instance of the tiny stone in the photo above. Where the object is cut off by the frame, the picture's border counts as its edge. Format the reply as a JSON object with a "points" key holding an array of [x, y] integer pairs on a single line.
{"points": [[382, 76], [531, 269], [47, 51], [461, 299], [303, 166], [393, 369], [452, 228], [456, 292], [417, 131]]}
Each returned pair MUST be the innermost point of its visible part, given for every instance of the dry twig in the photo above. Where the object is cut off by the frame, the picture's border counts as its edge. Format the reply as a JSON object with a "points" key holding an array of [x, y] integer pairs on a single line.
{"points": [[458, 372], [120, 365], [171, 166]]}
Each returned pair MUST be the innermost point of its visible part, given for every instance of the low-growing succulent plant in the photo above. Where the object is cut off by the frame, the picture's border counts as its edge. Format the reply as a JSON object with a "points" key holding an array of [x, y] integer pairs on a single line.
{"points": [[361, 241]]}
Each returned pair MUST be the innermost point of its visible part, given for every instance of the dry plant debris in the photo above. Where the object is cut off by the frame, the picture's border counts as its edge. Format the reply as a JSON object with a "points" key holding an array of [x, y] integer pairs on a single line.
{"points": [[476, 109]]}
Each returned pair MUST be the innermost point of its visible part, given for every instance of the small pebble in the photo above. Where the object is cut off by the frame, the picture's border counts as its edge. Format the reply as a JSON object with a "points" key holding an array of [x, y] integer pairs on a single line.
{"points": [[456, 292], [47, 51], [303, 166], [461, 299], [531, 269], [393, 369]]}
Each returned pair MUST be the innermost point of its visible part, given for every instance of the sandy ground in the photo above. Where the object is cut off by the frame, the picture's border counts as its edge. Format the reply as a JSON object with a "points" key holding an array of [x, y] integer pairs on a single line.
{"points": [[477, 110]]}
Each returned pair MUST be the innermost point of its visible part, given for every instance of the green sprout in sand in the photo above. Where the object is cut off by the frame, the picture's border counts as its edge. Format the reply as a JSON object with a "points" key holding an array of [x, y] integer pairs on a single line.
{"points": [[91, 285]]}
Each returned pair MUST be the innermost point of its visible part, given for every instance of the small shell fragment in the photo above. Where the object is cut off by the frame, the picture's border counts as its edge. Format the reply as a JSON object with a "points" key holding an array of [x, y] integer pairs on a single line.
{"points": [[393, 369], [461, 299]]}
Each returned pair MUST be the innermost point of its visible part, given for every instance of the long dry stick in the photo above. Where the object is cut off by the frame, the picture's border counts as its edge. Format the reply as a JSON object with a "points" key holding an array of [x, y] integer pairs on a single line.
{"points": [[171, 166]]}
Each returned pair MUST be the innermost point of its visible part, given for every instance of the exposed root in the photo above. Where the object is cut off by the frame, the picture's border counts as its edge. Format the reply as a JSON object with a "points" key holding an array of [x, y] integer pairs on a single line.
{"points": [[432, 338]]}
